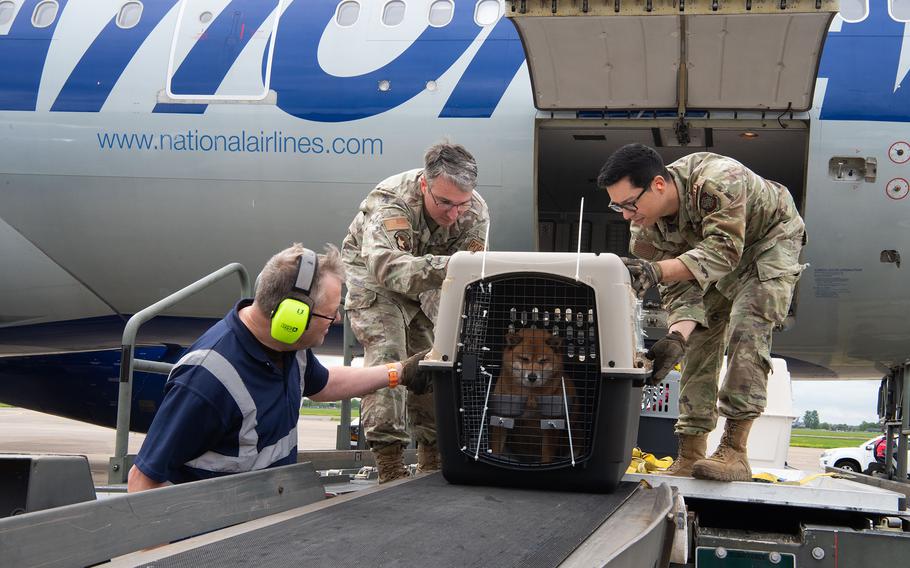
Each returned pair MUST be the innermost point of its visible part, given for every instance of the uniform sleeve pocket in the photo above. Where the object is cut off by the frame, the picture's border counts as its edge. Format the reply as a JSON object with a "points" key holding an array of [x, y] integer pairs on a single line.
{"points": [[782, 259]]}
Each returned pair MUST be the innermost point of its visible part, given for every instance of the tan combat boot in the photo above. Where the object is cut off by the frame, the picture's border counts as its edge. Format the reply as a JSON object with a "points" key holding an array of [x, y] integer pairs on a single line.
{"points": [[729, 462], [691, 449], [427, 458], [390, 462]]}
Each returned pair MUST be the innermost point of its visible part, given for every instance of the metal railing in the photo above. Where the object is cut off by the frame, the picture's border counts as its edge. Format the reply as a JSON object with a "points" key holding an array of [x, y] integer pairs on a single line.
{"points": [[120, 463], [343, 437]]}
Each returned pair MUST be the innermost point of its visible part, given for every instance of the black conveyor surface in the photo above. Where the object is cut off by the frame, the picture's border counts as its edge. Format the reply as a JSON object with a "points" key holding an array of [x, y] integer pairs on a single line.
{"points": [[426, 522]]}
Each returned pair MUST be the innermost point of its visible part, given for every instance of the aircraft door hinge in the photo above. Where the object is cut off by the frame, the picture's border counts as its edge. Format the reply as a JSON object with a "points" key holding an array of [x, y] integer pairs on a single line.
{"points": [[681, 128]]}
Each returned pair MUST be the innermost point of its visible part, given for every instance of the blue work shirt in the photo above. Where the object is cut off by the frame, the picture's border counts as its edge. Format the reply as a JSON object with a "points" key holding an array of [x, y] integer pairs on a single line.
{"points": [[228, 408]]}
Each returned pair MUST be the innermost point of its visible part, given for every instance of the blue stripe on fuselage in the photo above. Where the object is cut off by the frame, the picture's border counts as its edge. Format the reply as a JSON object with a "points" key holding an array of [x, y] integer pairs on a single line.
{"points": [[213, 55], [308, 92], [485, 80], [23, 53], [860, 62], [91, 81]]}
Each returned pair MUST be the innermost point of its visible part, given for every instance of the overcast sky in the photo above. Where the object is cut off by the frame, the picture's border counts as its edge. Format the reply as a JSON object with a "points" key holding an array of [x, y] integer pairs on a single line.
{"points": [[837, 402]]}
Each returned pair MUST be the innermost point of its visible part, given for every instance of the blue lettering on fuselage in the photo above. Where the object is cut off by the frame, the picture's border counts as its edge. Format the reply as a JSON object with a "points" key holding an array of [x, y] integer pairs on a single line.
{"points": [[23, 53], [90, 83], [214, 53], [485, 80], [861, 63], [306, 91]]}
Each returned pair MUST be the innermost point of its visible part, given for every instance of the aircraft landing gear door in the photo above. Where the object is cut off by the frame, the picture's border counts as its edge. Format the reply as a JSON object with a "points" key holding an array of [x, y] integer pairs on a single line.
{"points": [[222, 50], [672, 54]]}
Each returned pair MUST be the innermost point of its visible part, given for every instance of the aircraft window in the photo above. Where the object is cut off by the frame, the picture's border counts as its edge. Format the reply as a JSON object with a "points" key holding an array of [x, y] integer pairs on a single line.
{"points": [[393, 13], [7, 11], [347, 13], [129, 15], [900, 10], [205, 17], [441, 13], [854, 10], [486, 12], [45, 13]]}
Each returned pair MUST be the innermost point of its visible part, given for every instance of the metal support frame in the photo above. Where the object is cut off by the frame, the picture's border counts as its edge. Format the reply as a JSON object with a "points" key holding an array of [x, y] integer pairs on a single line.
{"points": [[897, 421], [120, 463], [343, 437]]}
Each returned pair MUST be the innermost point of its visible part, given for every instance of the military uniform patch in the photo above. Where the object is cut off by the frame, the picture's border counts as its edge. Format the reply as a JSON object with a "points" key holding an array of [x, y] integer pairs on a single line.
{"points": [[708, 203], [475, 245], [403, 240], [396, 224]]}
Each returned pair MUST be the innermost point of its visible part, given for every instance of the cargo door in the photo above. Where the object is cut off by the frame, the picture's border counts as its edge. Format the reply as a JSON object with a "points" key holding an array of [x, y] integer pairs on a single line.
{"points": [[672, 54]]}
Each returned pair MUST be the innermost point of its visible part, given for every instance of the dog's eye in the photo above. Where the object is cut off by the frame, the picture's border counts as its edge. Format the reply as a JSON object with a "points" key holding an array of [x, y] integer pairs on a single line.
{"points": [[524, 359], [542, 361]]}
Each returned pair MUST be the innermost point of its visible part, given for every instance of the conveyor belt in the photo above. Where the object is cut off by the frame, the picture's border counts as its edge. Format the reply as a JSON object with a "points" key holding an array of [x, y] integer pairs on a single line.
{"points": [[456, 526]]}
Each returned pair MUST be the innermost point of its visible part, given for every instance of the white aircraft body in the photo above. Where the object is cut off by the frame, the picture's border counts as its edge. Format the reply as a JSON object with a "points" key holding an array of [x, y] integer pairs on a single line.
{"points": [[145, 144]]}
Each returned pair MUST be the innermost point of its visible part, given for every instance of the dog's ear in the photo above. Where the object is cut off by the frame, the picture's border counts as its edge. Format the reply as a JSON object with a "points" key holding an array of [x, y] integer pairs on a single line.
{"points": [[513, 339], [554, 341]]}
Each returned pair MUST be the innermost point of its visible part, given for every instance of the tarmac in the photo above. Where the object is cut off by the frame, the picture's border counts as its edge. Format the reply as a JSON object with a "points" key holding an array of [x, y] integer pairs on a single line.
{"points": [[28, 432], [25, 431]]}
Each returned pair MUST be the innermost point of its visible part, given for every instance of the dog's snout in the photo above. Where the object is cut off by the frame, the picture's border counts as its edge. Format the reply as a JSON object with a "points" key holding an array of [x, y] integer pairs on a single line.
{"points": [[532, 377]]}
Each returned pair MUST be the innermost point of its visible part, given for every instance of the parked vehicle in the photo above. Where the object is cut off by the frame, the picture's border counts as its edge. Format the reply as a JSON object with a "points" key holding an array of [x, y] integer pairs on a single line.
{"points": [[860, 458]]}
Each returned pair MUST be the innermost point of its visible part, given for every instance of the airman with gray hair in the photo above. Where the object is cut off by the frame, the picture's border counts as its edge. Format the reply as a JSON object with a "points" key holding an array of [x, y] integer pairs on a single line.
{"points": [[395, 255]]}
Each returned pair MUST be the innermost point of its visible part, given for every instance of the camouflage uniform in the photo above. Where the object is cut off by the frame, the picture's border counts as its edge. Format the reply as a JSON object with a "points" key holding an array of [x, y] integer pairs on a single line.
{"points": [[741, 237], [396, 257]]}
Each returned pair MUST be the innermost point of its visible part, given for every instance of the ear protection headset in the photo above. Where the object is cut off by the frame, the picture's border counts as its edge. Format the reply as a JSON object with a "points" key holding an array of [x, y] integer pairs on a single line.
{"points": [[292, 316]]}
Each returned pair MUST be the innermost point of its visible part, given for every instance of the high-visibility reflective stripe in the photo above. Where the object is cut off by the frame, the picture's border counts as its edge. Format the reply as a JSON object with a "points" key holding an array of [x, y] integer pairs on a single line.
{"points": [[248, 457]]}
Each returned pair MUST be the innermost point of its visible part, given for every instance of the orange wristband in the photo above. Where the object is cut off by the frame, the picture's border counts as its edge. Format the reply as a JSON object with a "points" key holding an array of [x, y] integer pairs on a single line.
{"points": [[393, 375]]}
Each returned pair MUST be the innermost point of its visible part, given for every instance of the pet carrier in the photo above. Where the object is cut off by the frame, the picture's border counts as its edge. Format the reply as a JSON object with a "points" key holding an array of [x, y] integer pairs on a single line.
{"points": [[537, 374]]}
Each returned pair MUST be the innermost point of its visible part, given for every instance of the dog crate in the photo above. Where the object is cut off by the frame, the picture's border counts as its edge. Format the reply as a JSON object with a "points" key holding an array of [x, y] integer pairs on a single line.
{"points": [[659, 411], [537, 372]]}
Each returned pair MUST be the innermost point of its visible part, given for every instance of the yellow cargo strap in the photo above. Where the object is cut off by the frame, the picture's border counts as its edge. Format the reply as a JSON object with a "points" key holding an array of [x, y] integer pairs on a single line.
{"points": [[769, 478], [643, 462]]}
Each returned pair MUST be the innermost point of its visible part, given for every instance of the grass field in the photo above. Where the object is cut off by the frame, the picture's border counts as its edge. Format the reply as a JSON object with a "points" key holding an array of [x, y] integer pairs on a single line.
{"points": [[333, 412], [826, 439]]}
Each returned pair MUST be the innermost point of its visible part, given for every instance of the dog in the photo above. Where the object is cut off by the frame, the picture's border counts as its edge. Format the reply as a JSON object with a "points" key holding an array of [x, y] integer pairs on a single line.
{"points": [[532, 367]]}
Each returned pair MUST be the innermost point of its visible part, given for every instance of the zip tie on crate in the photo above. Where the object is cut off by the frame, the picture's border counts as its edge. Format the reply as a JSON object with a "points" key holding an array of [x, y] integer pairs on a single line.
{"points": [[483, 263], [565, 403], [581, 215], [483, 417]]}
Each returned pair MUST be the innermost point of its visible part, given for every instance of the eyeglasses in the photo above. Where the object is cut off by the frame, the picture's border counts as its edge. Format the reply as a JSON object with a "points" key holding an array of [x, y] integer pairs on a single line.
{"points": [[330, 318], [447, 205], [628, 205]]}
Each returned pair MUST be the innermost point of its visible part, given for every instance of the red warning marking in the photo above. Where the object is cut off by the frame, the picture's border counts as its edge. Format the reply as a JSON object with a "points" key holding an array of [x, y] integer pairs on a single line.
{"points": [[899, 152], [898, 188]]}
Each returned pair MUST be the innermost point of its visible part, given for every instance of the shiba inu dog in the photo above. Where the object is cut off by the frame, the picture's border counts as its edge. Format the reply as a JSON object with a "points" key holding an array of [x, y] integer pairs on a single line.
{"points": [[532, 367]]}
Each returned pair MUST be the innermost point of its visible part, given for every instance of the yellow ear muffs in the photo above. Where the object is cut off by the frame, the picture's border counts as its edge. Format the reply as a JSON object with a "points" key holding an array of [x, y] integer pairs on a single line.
{"points": [[290, 320], [292, 316]]}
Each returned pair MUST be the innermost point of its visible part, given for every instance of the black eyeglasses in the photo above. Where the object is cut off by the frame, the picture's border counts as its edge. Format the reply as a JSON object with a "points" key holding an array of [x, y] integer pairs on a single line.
{"points": [[330, 318], [628, 205], [447, 205]]}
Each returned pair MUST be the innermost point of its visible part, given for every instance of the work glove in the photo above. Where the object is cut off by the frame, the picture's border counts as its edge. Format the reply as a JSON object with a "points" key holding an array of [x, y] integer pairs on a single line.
{"points": [[666, 353], [644, 274], [411, 378]]}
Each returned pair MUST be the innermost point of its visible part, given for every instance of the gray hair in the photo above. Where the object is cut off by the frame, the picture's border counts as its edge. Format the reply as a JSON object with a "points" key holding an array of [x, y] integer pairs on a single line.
{"points": [[278, 276], [453, 162]]}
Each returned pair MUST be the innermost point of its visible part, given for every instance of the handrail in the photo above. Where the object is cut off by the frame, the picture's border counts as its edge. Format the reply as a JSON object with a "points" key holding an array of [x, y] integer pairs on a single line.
{"points": [[118, 469]]}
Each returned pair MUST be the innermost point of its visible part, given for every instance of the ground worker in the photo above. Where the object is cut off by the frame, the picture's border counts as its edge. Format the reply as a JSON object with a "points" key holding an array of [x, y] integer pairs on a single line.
{"points": [[396, 253], [231, 403], [723, 244]]}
